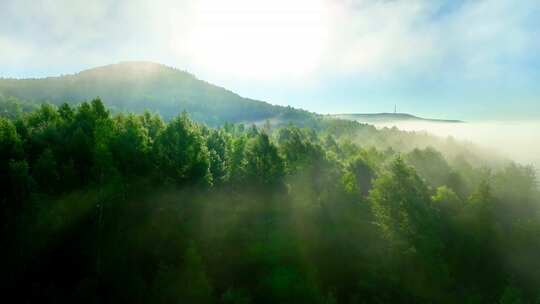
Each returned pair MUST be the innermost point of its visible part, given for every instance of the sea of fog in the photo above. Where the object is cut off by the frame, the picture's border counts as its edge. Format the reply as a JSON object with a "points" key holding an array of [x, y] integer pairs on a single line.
{"points": [[516, 140]]}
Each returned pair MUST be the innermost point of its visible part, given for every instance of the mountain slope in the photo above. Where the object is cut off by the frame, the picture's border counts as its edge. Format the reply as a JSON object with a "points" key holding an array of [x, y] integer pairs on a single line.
{"points": [[389, 117], [137, 86]]}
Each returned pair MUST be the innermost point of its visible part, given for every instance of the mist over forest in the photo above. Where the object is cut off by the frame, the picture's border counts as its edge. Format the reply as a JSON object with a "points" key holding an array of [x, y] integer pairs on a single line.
{"points": [[242, 152], [515, 140], [125, 207]]}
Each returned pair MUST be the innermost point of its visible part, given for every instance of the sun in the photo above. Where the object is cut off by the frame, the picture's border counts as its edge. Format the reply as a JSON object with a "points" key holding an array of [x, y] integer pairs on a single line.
{"points": [[258, 39]]}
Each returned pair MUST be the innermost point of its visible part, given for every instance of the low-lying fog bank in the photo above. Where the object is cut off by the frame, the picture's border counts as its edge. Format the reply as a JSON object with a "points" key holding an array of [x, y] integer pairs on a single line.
{"points": [[517, 140]]}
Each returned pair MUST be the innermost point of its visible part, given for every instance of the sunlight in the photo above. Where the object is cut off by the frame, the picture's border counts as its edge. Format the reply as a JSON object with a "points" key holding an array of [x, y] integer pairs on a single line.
{"points": [[258, 39], [183, 151]]}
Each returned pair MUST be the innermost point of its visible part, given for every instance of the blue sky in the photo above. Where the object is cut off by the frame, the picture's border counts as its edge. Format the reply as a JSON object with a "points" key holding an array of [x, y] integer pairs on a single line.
{"points": [[473, 60]]}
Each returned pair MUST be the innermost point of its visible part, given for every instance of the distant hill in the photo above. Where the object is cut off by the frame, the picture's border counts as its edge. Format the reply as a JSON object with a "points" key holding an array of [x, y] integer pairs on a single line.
{"points": [[137, 86], [389, 117]]}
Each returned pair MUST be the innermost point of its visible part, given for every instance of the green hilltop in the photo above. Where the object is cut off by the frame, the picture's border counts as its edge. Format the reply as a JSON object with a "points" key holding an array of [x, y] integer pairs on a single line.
{"points": [[389, 117], [139, 86]]}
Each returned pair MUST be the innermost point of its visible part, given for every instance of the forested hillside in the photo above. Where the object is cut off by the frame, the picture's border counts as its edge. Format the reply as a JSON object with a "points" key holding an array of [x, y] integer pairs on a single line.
{"points": [[139, 86], [128, 208], [389, 117]]}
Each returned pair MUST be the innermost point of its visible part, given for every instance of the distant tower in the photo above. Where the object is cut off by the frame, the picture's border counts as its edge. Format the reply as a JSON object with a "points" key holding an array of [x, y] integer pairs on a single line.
{"points": [[395, 109]]}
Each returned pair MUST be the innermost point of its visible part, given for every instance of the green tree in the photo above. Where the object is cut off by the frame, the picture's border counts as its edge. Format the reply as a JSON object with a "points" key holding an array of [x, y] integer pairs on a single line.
{"points": [[183, 283], [153, 124], [362, 175], [264, 166], [404, 213], [66, 112], [11, 146], [45, 172], [238, 159], [430, 165], [195, 285], [447, 201], [511, 295], [403, 210], [20, 182], [131, 146], [297, 149], [236, 296], [103, 165], [218, 147], [181, 153]]}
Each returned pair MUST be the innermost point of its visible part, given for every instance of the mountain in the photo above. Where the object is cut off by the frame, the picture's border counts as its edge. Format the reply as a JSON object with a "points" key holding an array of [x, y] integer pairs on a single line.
{"points": [[389, 117], [139, 86]]}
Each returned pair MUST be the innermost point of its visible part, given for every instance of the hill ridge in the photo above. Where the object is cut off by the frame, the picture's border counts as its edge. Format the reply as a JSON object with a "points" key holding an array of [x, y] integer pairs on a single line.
{"points": [[386, 116], [136, 86]]}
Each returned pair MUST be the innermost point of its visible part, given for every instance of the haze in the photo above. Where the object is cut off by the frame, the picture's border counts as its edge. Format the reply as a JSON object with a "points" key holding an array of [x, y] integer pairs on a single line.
{"points": [[515, 140], [205, 151], [444, 59]]}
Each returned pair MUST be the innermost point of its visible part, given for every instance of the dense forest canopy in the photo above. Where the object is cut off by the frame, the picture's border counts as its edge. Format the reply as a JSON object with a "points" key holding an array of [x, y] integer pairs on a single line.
{"points": [[103, 208]]}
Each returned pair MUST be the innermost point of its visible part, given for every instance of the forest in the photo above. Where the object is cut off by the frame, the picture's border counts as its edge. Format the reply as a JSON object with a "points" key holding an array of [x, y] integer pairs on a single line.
{"points": [[107, 207]]}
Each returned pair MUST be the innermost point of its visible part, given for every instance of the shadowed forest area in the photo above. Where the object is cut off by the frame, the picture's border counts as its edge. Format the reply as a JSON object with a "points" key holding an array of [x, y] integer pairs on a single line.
{"points": [[129, 208]]}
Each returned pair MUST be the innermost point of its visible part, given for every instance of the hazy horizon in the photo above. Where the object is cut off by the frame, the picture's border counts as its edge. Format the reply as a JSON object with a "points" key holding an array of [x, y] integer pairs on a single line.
{"points": [[514, 140], [188, 154], [330, 112], [466, 60]]}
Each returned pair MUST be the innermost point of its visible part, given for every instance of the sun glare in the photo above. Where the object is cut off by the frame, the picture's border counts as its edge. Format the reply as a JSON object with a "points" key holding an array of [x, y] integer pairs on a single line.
{"points": [[258, 39]]}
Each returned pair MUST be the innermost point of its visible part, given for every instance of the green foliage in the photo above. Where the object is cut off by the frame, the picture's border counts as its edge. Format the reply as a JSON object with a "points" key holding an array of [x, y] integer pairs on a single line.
{"points": [[263, 164], [20, 182], [45, 171], [10, 142], [185, 284], [137, 86], [446, 200], [511, 295], [431, 165], [361, 174], [298, 149], [403, 211], [14, 170], [402, 207], [128, 208], [219, 151], [235, 296], [131, 145], [12, 107], [182, 154]]}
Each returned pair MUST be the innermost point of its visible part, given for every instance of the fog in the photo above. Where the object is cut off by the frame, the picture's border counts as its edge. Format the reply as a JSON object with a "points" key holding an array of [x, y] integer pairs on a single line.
{"points": [[516, 140], [153, 211]]}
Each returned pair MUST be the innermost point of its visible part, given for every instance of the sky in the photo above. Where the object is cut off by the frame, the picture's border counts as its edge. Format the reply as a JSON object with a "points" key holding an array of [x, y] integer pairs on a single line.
{"points": [[455, 59]]}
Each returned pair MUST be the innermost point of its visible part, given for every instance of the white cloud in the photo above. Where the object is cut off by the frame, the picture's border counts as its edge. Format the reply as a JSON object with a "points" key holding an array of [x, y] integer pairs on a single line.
{"points": [[276, 39], [378, 36], [474, 39], [66, 33]]}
